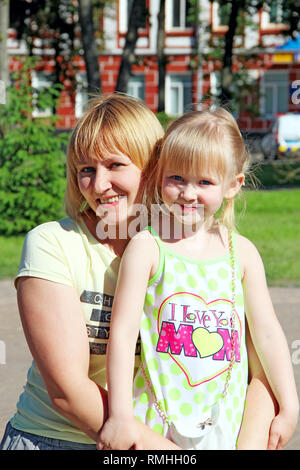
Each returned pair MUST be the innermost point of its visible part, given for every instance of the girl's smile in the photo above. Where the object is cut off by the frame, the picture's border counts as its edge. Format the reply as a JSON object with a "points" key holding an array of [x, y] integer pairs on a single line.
{"points": [[187, 195]]}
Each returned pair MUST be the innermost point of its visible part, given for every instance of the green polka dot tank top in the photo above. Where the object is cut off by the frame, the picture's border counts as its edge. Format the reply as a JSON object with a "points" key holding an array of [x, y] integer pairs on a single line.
{"points": [[186, 339]]}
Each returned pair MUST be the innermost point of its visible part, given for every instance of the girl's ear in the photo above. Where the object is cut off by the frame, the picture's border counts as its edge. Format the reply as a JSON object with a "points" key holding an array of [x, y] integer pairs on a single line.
{"points": [[235, 186]]}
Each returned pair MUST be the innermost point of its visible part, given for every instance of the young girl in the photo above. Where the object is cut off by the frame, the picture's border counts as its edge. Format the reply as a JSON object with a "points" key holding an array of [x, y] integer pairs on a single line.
{"points": [[188, 287]]}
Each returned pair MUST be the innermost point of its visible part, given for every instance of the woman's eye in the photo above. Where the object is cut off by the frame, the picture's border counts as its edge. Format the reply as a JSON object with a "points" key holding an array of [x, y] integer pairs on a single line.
{"points": [[116, 165], [86, 170]]}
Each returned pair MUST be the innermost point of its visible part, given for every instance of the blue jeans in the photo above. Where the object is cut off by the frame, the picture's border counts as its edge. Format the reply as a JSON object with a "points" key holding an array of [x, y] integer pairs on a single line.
{"points": [[14, 439]]}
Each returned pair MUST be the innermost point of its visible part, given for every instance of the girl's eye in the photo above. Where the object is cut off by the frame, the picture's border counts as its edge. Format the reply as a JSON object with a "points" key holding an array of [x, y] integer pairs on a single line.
{"points": [[205, 182], [177, 178]]}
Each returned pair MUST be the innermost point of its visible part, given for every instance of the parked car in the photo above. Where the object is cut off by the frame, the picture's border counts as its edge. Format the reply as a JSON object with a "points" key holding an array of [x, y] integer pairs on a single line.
{"points": [[283, 138]]}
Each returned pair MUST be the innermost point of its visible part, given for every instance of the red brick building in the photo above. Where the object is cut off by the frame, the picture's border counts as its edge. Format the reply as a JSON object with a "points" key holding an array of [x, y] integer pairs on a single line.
{"points": [[274, 71]]}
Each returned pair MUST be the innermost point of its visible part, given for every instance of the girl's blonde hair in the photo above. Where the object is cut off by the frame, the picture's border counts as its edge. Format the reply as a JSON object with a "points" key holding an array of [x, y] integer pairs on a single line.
{"points": [[115, 123], [208, 143]]}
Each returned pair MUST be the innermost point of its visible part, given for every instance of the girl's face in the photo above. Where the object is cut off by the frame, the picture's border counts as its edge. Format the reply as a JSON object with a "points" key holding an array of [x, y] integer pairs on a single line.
{"points": [[110, 186], [191, 197]]}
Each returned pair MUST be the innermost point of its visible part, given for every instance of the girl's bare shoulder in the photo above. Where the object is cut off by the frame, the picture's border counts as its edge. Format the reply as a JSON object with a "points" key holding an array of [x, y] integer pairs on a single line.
{"points": [[142, 244], [248, 254]]}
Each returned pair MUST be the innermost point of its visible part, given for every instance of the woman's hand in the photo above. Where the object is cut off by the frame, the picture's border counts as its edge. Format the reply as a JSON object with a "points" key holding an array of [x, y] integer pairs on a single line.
{"points": [[282, 429]]}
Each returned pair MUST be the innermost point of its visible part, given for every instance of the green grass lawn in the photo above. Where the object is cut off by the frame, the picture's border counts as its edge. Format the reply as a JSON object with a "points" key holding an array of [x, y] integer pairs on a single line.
{"points": [[271, 221], [10, 253]]}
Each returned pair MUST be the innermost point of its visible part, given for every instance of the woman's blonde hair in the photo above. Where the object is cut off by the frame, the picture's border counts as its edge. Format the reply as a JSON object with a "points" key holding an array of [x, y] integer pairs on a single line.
{"points": [[206, 142], [114, 123]]}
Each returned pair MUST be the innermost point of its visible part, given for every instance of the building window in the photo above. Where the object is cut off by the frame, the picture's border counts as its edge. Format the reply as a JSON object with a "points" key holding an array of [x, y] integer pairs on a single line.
{"points": [[136, 86], [124, 15], [276, 11], [178, 13], [40, 82], [82, 97], [224, 14], [275, 92], [178, 94]]}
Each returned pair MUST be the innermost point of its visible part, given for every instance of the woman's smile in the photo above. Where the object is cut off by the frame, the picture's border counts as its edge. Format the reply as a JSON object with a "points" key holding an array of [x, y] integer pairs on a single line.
{"points": [[109, 201], [110, 186]]}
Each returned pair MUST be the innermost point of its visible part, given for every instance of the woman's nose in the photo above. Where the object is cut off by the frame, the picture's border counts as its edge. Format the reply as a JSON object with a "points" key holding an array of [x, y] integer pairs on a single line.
{"points": [[102, 180]]}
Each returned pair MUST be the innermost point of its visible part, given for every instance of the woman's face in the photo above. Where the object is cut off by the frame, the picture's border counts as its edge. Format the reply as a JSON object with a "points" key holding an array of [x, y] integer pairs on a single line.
{"points": [[110, 186]]}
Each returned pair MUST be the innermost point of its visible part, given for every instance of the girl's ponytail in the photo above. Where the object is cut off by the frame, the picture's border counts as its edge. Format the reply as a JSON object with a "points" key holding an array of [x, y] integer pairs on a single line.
{"points": [[227, 217]]}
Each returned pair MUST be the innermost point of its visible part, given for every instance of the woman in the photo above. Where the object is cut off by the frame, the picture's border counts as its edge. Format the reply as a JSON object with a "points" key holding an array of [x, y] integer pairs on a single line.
{"points": [[66, 284]]}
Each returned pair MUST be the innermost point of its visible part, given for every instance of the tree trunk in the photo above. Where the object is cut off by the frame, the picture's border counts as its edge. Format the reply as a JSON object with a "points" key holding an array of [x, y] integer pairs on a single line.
{"points": [[90, 52], [4, 23], [161, 58], [137, 16], [226, 73]]}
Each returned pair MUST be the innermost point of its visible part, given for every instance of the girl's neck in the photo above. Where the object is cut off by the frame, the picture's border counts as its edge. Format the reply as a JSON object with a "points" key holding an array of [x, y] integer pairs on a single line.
{"points": [[173, 231], [206, 243]]}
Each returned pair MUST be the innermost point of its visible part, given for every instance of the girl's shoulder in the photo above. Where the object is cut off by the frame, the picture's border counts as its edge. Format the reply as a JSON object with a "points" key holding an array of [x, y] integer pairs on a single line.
{"points": [[248, 254], [142, 241], [143, 247]]}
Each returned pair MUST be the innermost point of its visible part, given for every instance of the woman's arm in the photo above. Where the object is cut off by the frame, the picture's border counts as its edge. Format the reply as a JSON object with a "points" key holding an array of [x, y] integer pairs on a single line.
{"points": [[260, 407], [271, 346], [56, 334]]}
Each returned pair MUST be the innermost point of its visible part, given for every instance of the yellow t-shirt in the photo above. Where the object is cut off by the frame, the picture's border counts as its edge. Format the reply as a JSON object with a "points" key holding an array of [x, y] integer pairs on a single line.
{"points": [[66, 252]]}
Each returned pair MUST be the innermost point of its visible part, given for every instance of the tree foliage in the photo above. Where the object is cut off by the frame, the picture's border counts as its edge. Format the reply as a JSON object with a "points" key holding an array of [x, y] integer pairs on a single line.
{"points": [[32, 158], [238, 14]]}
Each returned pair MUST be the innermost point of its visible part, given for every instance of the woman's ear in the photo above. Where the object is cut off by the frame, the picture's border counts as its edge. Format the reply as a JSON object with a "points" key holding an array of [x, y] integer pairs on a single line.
{"points": [[235, 186]]}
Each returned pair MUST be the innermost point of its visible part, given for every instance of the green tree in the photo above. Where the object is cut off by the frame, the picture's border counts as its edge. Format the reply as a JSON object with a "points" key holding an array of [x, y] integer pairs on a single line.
{"points": [[32, 157], [137, 19], [4, 20], [236, 14]]}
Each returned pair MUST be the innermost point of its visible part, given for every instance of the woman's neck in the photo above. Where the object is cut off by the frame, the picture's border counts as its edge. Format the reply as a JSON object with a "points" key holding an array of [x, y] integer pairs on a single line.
{"points": [[115, 244]]}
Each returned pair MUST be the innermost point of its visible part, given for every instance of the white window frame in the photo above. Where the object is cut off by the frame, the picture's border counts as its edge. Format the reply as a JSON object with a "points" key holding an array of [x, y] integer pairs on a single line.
{"points": [[180, 87], [266, 20], [81, 97], [123, 16], [39, 81], [182, 16], [274, 86], [215, 20], [279, 13], [136, 85]]}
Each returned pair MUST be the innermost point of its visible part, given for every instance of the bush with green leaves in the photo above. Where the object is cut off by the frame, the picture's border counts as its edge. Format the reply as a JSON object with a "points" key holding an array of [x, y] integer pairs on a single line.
{"points": [[32, 156]]}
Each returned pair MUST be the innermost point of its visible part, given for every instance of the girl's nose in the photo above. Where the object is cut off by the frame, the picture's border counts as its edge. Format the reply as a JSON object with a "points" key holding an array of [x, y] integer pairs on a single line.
{"points": [[102, 180], [189, 193]]}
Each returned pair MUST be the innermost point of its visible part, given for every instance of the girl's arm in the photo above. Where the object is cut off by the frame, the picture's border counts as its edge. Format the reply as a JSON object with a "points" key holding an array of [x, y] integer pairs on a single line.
{"points": [[120, 431], [260, 407], [271, 346], [54, 327]]}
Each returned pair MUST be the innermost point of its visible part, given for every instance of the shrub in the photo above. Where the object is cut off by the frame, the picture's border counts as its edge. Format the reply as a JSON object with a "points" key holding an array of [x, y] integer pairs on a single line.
{"points": [[32, 157]]}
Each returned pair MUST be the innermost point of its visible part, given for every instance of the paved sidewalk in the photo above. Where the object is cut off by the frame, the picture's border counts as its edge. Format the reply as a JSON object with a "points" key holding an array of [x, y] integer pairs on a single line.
{"points": [[14, 350]]}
